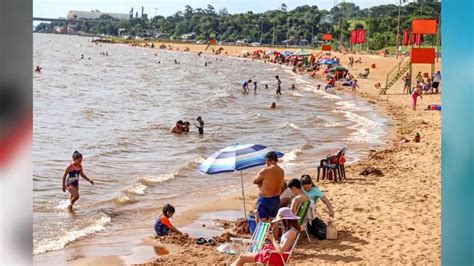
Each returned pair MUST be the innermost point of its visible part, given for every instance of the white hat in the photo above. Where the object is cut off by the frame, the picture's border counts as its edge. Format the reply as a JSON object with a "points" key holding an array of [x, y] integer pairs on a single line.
{"points": [[285, 213]]}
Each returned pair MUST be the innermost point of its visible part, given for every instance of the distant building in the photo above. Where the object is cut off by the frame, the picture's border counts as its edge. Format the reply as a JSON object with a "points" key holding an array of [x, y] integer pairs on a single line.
{"points": [[188, 36], [74, 14]]}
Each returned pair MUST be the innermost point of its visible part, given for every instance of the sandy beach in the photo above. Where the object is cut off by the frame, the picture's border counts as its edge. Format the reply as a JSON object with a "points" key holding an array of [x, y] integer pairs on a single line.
{"points": [[389, 219]]}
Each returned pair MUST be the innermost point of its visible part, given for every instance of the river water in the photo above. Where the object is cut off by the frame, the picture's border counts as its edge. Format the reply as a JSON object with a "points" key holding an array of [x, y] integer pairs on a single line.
{"points": [[117, 111]]}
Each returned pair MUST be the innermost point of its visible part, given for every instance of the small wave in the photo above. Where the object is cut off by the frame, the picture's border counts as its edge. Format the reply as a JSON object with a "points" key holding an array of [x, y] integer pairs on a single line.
{"points": [[63, 204], [294, 126], [362, 126], [136, 189], [97, 224], [333, 124], [298, 94], [152, 180], [307, 146], [291, 156], [124, 200]]}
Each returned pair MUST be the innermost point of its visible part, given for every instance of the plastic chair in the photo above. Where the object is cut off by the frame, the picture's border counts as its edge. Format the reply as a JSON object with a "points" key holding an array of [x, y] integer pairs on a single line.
{"points": [[334, 163]]}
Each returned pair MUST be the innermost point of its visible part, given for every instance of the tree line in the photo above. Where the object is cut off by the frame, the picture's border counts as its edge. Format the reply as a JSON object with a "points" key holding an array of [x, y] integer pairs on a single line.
{"points": [[304, 24]]}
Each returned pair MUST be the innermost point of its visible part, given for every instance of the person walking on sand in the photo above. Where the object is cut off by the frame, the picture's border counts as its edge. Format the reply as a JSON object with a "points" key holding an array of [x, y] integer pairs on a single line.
{"points": [[354, 86], [436, 81], [406, 83], [71, 183], [414, 96], [278, 91], [269, 181]]}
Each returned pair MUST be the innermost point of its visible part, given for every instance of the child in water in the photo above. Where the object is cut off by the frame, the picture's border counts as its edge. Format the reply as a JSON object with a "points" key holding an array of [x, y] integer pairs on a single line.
{"points": [[163, 225], [73, 171], [200, 127]]}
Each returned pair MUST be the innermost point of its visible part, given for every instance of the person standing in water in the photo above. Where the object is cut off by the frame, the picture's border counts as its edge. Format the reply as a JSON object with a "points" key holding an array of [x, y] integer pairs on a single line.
{"points": [[278, 91], [71, 183], [255, 87], [201, 125], [245, 85]]}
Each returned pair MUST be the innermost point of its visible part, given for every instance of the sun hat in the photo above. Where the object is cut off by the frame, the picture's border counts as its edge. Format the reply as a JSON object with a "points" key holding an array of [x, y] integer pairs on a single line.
{"points": [[285, 213]]}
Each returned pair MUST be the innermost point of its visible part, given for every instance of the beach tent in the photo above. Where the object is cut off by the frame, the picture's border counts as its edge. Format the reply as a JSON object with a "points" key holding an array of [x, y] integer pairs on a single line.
{"points": [[302, 52], [269, 52], [286, 53], [236, 157]]}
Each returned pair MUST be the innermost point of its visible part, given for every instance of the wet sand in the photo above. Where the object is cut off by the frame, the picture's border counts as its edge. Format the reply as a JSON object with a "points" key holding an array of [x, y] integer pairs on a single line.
{"points": [[394, 218]]}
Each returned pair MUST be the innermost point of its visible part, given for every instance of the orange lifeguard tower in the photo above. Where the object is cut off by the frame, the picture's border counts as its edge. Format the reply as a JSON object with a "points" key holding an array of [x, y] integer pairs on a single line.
{"points": [[417, 55]]}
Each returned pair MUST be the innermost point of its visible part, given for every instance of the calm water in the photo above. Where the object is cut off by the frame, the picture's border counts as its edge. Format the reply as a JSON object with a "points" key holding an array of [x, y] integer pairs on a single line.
{"points": [[117, 111]]}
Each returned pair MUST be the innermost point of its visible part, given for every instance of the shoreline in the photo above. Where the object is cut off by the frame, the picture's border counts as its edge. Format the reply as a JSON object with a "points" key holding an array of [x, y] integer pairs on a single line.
{"points": [[398, 113]]}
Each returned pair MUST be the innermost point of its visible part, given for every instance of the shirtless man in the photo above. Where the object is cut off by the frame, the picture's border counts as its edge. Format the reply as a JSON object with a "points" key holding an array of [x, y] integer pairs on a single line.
{"points": [[178, 128], [269, 180]]}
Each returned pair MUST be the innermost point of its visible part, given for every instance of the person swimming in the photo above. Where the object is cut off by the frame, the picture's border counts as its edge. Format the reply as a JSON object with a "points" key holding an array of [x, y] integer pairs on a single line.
{"points": [[273, 106], [178, 128], [186, 126], [201, 125], [293, 87], [71, 183], [38, 69], [82, 56]]}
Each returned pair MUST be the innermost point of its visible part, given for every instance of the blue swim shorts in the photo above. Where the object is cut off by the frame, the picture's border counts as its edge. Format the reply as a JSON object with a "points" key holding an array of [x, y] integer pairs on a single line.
{"points": [[268, 207]]}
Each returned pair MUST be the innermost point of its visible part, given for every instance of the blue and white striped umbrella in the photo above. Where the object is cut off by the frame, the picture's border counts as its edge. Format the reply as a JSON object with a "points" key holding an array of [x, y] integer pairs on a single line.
{"points": [[328, 62], [236, 158]]}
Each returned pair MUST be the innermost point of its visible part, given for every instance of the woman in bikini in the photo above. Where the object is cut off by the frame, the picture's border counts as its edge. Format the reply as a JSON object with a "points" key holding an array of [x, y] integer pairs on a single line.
{"points": [[71, 178]]}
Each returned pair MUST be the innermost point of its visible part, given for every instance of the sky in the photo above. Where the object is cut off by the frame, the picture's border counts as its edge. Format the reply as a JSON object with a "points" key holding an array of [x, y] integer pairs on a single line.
{"points": [[59, 8]]}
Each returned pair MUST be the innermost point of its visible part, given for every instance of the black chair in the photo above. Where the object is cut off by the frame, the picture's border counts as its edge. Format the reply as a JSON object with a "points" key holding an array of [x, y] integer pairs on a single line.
{"points": [[333, 163]]}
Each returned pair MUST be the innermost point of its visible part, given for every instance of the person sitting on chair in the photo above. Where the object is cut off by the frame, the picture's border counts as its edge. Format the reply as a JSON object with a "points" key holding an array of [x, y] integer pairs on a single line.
{"points": [[285, 196], [313, 192], [300, 196], [287, 241]]}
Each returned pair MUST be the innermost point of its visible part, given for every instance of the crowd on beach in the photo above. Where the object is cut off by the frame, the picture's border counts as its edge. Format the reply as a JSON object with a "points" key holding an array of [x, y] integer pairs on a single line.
{"points": [[279, 201]]}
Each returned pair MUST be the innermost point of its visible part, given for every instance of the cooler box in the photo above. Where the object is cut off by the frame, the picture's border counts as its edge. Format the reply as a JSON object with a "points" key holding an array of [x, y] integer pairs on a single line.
{"points": [[251, 223]]}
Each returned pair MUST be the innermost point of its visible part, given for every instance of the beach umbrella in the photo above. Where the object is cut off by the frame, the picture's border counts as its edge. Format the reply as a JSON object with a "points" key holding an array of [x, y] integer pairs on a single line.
{"points": [[302, 52], [328, 62], [236, 157], [341, 68]]}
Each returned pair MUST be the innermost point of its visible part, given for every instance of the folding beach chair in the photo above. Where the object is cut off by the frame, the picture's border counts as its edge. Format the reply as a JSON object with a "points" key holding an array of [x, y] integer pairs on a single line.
{"points": [[288, 253], [255, 244], [305, 214]]}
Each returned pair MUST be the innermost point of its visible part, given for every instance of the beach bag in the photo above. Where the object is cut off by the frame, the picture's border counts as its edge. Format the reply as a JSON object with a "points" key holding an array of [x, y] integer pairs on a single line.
{"points": [[317, 228]]}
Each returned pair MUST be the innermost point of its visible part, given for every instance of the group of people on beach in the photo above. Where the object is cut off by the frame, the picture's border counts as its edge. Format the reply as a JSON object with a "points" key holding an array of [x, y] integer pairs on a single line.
{"points": [[278, 203], [183, 126], [430, 86]]}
